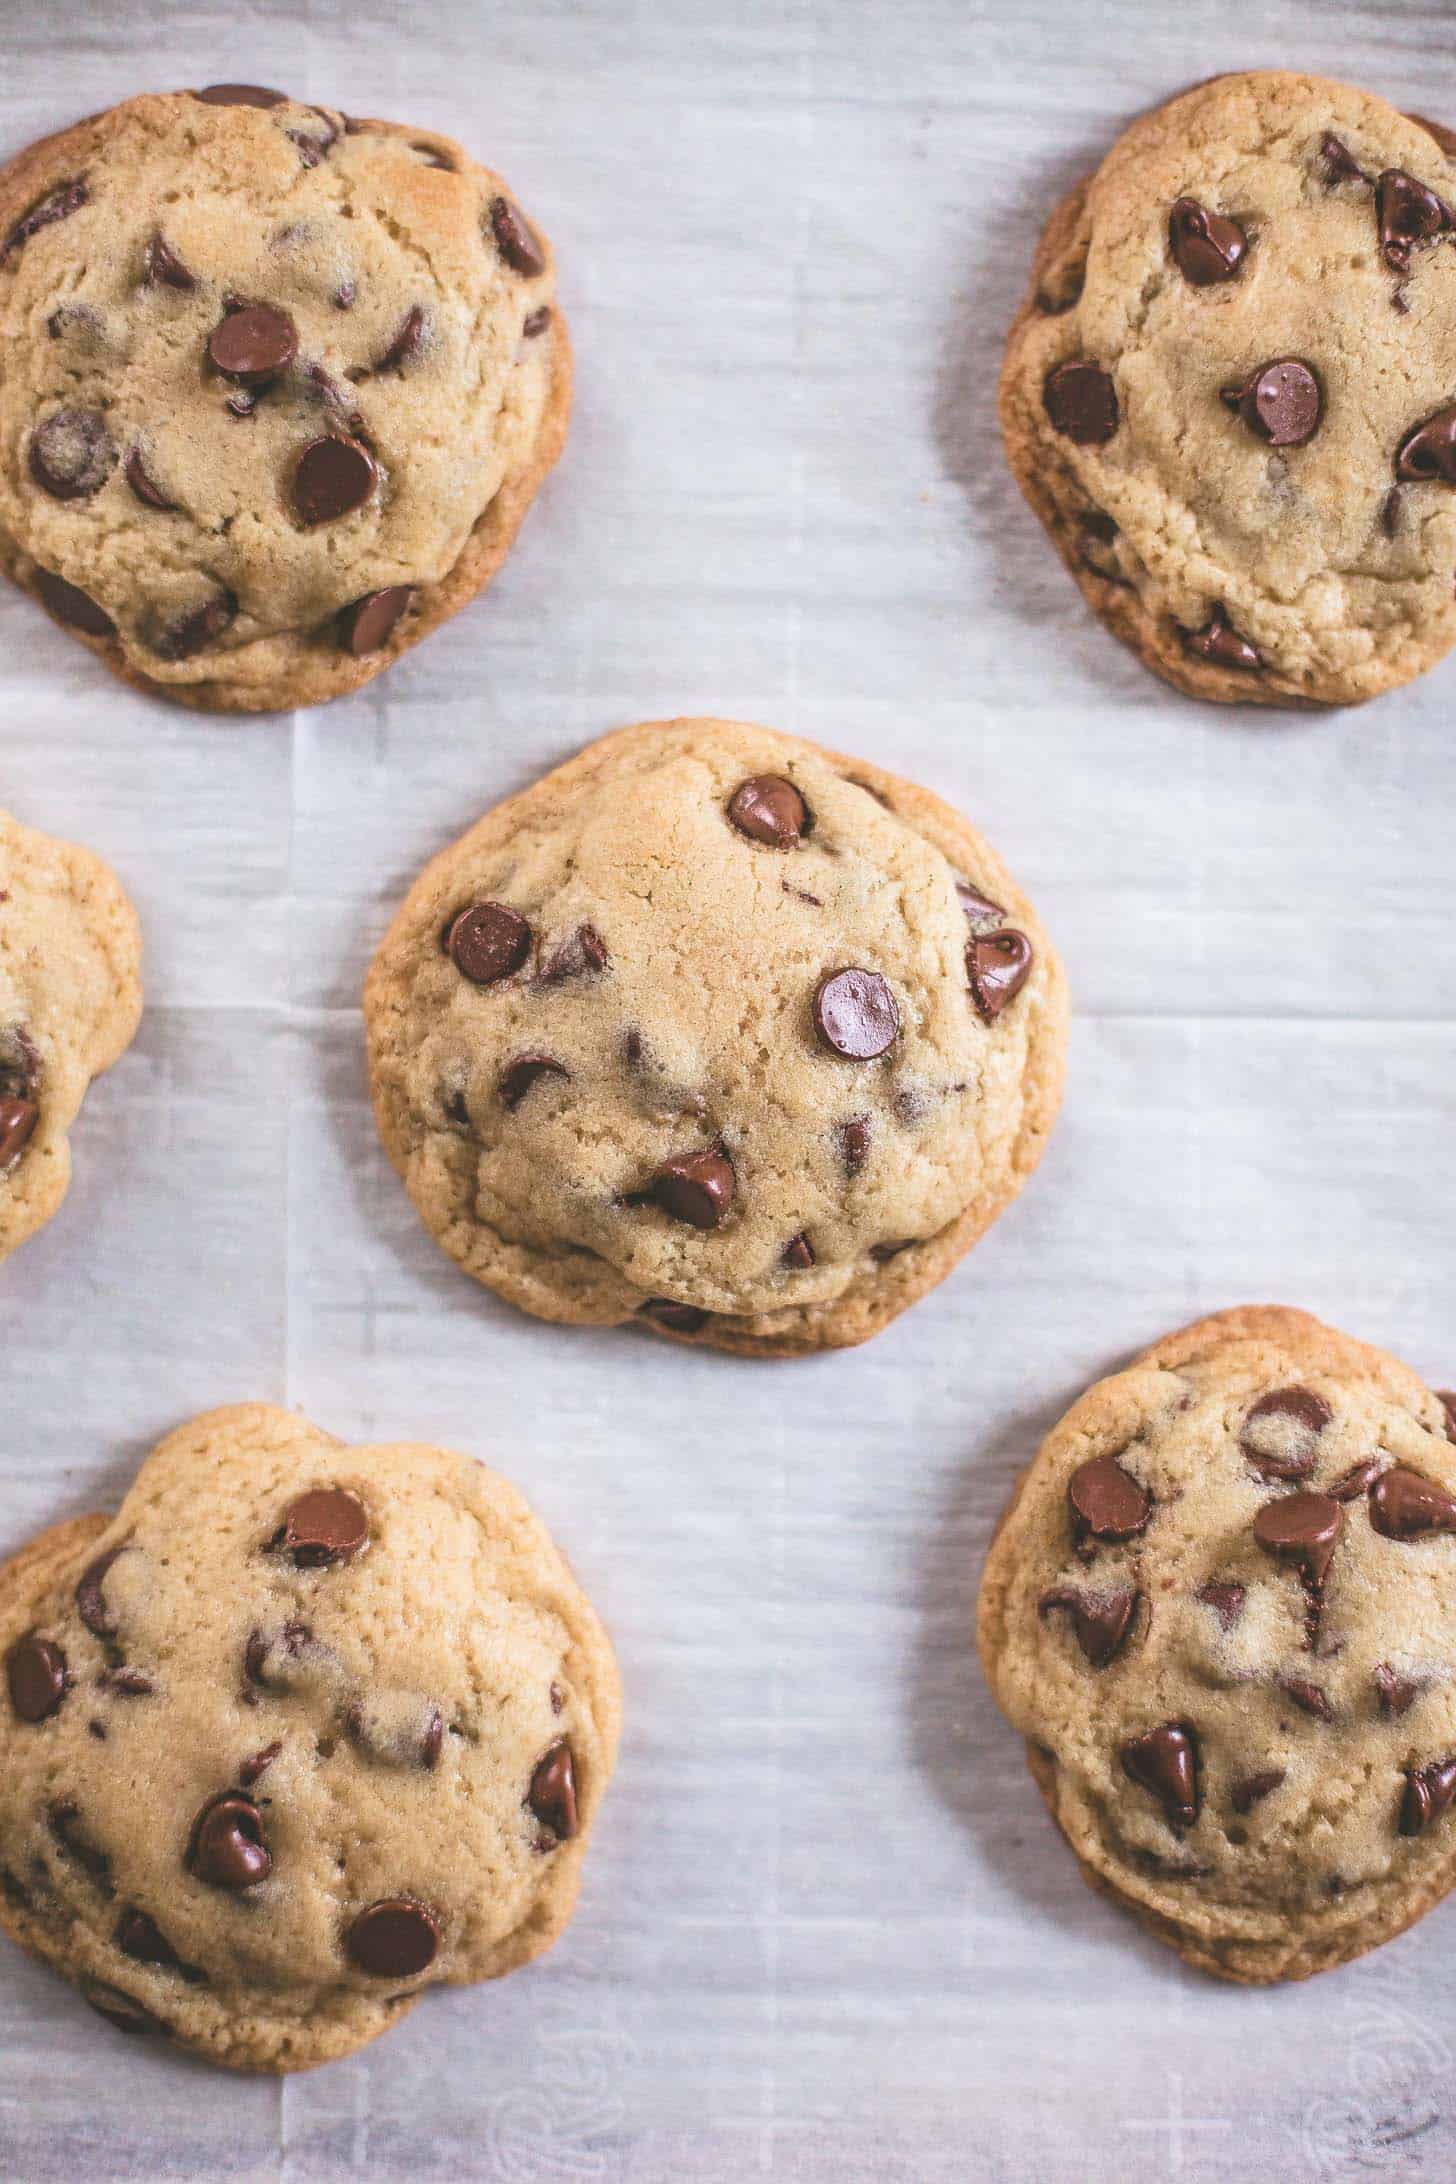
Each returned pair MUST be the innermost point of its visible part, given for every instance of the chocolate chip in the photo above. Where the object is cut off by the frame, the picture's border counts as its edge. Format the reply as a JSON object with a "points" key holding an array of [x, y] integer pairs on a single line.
{"points": [[1206, 247], [267, 1659], [119, 2008], [1107, 1503], [552, 1795], [1081, 402], [1352, 1484], [997, 967], [139, 1937], [537, 321], [1226, 1598], [259, 1764], [193, 631], [798, 1252], [1445, 137], [72, 606], [35, 1670], [57, 204], [1340, 162], [127, 1683], [406, 343], [681, 1319], [1220, 642], [769, 809], [396, 1938], [1308, 1696], [1302, 1529], [854, 1143], [979, 909], [1279, 401], [695, 1187], [164, 267], [855, 1014], [344, 295], [240, 94], [1407, 213], [368, 623], [1396, 1694], [1250, 1789], [328, 1524], [1403, 1505], [1429, 1791], [517, 1078], [583, 951], [253, 345], [143, 484], [63, 1818], [1165, 1761], [1282, 1430], [242, 404], [72, 454], [1100, 1620], [1446, 1397], [883, 1253], [515, 240], [332, 478], [1429, 453], [487, 942], [311, 149], [18, 1119], [338, 398], [227, 1849], [20, 1063], [432, 156]]}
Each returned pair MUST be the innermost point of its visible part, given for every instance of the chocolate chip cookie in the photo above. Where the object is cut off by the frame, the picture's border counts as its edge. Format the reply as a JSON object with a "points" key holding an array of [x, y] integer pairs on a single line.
{"points": [[70, 1000], [1221, 1609], [717, 1032], [1228, 394], [303, 1730], [276, 388]]}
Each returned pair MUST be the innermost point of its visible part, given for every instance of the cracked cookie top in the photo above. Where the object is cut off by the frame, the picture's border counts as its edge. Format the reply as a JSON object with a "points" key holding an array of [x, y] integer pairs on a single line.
{"points": [[1222, 1610], [717, 1028], [304, 1730], [275, 385], [1229, 393]]}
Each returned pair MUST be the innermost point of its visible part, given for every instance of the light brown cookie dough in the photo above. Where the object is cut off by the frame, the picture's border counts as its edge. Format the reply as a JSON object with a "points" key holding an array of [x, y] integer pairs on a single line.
{"points": [[1221, 1609], [277, 387], [719, 1032], [70, 1001], [1228, 394], [303, 1730]]}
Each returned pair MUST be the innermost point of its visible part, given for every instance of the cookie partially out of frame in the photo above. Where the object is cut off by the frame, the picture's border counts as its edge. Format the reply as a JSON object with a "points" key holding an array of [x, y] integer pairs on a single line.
{"points": [[277, 387], [1229, 396], [70, 1001], [303, 1730], [1221, 1609], [718, 1032]]}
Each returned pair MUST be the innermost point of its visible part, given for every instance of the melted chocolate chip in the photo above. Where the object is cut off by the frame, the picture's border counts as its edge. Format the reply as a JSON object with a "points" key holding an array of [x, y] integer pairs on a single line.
{"points": [[18, 1119], [396, 1938], [1226, 1598], [854, 1143], [798, 1252], [487, 942], [194, 631], [515, 240], [63, 1818], [1250, 1789], [127, 1683], [1445, 137], [1165, 1761], [266, 1659], [1396, 1694], [1081, 402], [552, 1795], [1353, 1483], [164, 268], [1206, 247], [1106, 1502], [1339, 161], [1302, 1529], [1282, 1430], [407, 343], [855, 1014], [583, 951], [259, 1764], [680, 1319], [143, 484], [1280, 401], [1403, 1505], [328, 1524], [696, 1188], [240, 94], [368, 623], [997, 967], [57, 204], [253, 345], [770, 810], [35, 1670], [1101, 1620], [139, 1937], [227, 1849], [517, 1077], [1428, 455], [1407, 213], [1307, 1696], [979, 909], [1429, 1791], [1220, 642], [72, 454], [69, 604], [537, 322], [332, 478]]}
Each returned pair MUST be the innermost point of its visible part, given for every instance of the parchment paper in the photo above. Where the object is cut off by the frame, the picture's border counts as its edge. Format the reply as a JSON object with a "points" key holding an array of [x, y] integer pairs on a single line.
{"points": [[826, 1930]]}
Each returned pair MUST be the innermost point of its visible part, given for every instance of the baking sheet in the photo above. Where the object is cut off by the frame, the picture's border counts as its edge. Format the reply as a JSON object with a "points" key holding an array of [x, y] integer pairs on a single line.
{"points": [[826, 1931]]}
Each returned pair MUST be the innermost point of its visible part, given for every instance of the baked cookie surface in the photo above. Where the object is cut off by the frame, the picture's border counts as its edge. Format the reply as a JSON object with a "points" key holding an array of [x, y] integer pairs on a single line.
{"points": [[303, 1730], [1228, 394], [276, 389], [718, 1030], [70, 1001], [1221, 1608]]}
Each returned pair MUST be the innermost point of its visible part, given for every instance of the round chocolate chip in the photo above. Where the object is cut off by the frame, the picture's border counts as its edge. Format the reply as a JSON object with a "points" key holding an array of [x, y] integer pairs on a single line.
{"points": [[696, 1188], [1206, 247], [1165, 1761], [1302, 1529], [855, 1014], [406, 343], [72, 454], [35, 1670], [193, 631], [328, 1524], [241, 94], [1081, 402], [332, 478], [91, 1600], [1403, 1505], [368, 623], [515, 240], [518, 1076], [487, 942], [769, 809], [396, 1938], [227, 1849], [18, 1119], [1107, 1502], [253, 345], [1407, 213], [1220, 642], [1281, 1432], [1429, 452], [1280, 401], [552, 1795], [69, 604], [143, 484], [164, 267], [680, 1319], [997, 967]]}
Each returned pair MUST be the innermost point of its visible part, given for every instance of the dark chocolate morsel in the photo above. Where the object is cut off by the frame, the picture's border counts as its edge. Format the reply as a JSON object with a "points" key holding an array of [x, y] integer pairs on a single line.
{"points": [[1206, 247], [695, 1187], [1220, 642], [18, 1119], [798, 1252], [1081, 402], [1403, 1505], [1307, 1696], [681, 1319], [1396, 1694], [1165, 1761], [1428, 454], [1355, 1482], [487, 941], [515, 240], [69, 604], [407, 343], [517, 1077], [855, 1014], [1407, 213], [1226, 1598], [368, 623], [143, 484], [57, 204], [227, 1849], [72, 454], [396, 1938], [192, 632], [240, 94], [1302, 1529], [1429, 1791], [1101, 1620], [552, 1795], [1280, 401], [332, 478], [1281, 1431], [253, 345], [1339, 161], [1249, 1789], [854, 1143], [1106, 1502], [91, 1601], [770, 810], [327, 1524], [164, 268], [35, 1670], [997, 967], [537, 321]]}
